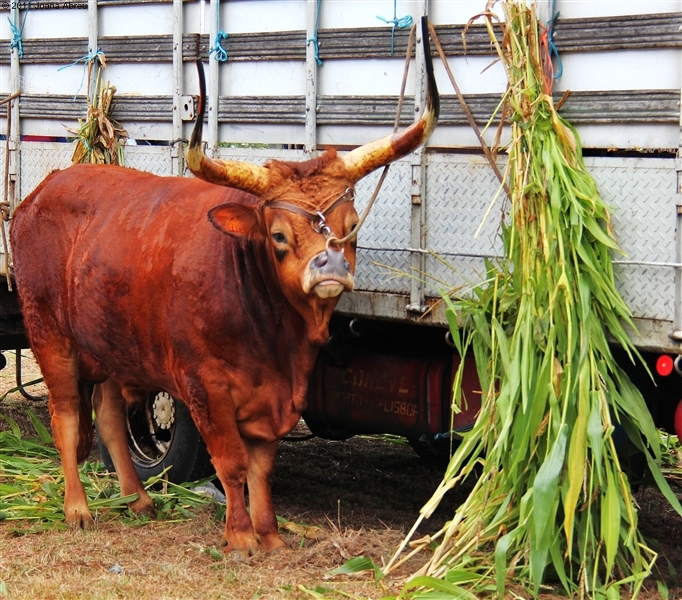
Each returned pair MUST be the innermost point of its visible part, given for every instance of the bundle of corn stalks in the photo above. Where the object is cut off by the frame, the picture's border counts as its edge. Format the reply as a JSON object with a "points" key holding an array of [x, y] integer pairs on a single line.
{"points": [[552, 504], [32, 485], [99, 138]]}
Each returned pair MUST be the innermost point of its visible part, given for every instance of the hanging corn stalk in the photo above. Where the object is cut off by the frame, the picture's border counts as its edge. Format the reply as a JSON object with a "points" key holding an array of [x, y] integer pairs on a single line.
{"points": [[552, 504], [99, 138]]}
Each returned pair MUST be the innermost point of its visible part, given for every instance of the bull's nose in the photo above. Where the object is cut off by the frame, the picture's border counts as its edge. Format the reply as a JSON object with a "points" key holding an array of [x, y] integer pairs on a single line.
{"points": [[331, 262]]}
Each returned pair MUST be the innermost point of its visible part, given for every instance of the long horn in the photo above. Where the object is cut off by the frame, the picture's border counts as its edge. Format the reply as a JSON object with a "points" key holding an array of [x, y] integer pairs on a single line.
{"points": [[242, 175], [367, 158]]}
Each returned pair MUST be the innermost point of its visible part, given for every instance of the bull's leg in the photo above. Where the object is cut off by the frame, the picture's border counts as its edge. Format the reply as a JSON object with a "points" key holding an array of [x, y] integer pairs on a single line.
{"points": [[59, 365], [214, 414], [230, 460], [261, 466], [110, 408]]}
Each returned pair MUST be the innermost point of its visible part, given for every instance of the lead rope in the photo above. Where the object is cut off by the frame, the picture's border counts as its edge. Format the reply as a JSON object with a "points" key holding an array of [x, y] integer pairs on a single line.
{"points": [[338, 242]]}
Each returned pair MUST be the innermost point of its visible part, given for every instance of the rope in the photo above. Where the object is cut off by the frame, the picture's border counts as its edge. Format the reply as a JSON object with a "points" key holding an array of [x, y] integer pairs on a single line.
{"points": [[217, 48], [382, 178], [401, 23], [17, 33], [549, 49], [314, 38], [86, 59]]}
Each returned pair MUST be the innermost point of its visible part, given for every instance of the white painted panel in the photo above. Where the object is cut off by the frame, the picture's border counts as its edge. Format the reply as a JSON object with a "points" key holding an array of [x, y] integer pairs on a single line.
{"points": [[151, 79], [48, 79], [256, 15], [254, 133], [5, 86], [148, 131], [571, 9], [54, 23], [47, 127], [621, 70], [365, 13], [363, 77], [263, 78], [145, 19]]}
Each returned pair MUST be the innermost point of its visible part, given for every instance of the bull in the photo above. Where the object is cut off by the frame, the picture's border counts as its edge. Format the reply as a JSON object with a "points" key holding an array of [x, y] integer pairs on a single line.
{"points": [[217, 289]]}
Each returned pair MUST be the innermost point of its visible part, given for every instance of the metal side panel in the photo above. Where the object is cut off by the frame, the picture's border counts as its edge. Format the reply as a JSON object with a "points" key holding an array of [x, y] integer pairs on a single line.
{"points": [[383, 261], [152, 159], [460, 189], [642, 194], [39, 159]]}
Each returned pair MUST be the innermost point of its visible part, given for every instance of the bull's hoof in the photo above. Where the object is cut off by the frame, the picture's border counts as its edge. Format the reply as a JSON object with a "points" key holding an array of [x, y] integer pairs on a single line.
{"points": [[241, 547], [271, 543], [144, 506], [77, 519]]}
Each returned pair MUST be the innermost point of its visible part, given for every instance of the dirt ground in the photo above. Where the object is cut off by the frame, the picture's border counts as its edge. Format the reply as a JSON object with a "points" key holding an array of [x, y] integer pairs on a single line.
{"points": [[363, 493]]}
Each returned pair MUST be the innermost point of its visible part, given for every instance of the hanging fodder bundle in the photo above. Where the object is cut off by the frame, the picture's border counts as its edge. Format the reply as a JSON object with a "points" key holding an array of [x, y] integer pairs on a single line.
{"points": [[99, 138], [553, 504]]}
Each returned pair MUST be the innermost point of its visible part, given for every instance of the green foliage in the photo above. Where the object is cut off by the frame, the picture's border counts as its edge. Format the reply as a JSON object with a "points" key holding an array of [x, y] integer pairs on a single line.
{"points": [[32, 486], [553, 504]]}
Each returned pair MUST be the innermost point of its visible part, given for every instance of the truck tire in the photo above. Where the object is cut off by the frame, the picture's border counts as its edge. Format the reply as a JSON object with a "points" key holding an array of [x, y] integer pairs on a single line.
{"points": [[162, 434]]}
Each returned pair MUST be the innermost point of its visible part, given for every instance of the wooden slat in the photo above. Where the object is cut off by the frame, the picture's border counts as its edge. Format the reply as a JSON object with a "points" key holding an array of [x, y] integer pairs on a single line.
{"points": [[624, 107], [571, 35]]}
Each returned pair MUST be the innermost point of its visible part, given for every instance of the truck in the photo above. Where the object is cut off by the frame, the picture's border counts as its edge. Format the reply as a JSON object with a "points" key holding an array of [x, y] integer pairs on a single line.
{"points": [[288, 78]]}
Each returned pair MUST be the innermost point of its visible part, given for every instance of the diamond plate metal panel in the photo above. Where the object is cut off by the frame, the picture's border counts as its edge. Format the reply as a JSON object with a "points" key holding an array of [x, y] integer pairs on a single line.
{"points": [[38, 160], [151, 159], [460, 191], [387, 228], [642, 194]]}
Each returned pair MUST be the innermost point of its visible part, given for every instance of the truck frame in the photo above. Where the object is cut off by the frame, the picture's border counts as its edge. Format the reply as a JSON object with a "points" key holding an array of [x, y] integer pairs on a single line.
{"points": [[302, 75]]}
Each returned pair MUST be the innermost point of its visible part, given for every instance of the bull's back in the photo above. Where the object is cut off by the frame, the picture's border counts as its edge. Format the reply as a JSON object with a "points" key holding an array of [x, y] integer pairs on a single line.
{"points": [[95, 251]]}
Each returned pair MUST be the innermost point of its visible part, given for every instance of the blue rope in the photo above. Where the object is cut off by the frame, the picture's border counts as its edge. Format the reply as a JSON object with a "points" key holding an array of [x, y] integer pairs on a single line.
{"points": [[17, 33], [550, 41], [314, 38], [86, 60], [217, 48], [401, 23]]}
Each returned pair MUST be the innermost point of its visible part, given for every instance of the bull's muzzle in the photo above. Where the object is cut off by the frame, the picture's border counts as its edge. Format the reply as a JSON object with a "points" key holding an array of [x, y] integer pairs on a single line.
{"points": [[328, 274]]}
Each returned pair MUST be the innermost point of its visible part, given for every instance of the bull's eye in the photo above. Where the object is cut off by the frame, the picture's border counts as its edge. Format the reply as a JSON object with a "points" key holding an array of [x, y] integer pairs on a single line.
{"points": [[279, 238]]}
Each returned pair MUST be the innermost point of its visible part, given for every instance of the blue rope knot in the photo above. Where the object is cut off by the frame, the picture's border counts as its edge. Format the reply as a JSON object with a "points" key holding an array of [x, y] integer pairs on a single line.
{"points": [[550, 44], [401, 23], [550, 41], [313, 39], [86, 59], [217, 48], [17, 33]]}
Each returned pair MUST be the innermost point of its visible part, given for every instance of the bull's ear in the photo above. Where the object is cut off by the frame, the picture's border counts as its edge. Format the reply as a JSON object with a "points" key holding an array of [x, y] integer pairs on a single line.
{"points": [[237, 220]]}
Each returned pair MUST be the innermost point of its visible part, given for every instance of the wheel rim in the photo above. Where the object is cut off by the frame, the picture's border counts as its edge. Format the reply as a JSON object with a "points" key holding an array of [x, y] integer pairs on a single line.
{"points": [[151, 429]]}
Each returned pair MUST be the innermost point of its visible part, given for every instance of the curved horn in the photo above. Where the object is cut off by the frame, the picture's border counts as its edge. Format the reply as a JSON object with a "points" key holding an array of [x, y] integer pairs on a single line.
{"points": [[242, 175], [367, 158]]}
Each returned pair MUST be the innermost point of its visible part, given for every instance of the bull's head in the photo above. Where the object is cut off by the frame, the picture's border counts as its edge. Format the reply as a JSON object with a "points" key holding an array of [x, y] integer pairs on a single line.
{"points": [[305, 208]]}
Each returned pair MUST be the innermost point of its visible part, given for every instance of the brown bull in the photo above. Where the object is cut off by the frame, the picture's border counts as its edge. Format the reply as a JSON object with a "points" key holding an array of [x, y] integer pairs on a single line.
{"points": [[216, 291]]}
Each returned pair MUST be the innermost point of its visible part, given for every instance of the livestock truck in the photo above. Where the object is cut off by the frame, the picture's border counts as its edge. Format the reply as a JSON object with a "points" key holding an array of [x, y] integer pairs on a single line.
{"points": [[288, 78]]}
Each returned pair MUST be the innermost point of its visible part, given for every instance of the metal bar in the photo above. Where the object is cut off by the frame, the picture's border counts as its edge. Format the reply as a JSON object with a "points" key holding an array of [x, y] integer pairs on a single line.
{"points": [[14, 139], [310, 146], [418, 192], [213, 84], [176, 147]]}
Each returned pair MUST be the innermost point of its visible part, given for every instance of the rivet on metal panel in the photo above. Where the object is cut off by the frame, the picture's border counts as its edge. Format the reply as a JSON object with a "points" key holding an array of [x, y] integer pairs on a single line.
{"points": [[187, 108]]}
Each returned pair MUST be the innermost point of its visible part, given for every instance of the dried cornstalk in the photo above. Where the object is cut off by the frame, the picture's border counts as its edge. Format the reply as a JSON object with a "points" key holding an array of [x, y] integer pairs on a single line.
{"points": [[553, 504], [99, 138]]}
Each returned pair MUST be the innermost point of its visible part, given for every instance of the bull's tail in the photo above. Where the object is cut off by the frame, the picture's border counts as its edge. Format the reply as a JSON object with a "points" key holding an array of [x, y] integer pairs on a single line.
{"points": [[85, 424]]}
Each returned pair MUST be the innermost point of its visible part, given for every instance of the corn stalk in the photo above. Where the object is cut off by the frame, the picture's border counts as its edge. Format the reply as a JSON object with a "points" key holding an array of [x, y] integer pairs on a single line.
{"points": [[553, 504], [99, 138]]}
